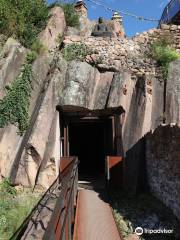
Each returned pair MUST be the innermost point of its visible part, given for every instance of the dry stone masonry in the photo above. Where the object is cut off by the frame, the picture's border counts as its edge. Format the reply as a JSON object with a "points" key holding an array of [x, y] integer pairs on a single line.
{"points": [[114, 54]]}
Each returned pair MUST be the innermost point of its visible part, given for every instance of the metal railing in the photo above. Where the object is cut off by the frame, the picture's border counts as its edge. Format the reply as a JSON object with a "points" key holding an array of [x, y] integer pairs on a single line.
{"points": [[61, 217], [61, 223], [170, 11]]}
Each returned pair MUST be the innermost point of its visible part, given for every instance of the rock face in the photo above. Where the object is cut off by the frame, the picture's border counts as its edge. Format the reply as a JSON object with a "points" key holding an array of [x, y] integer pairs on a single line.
{"points": [[22, 157], [77, 84], [50, 37], [173, 94], [11, 59], [43, 137], [115, 54], [115, 73]]}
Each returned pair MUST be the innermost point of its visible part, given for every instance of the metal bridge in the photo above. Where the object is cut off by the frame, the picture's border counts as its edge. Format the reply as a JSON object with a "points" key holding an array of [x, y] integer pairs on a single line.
{"points": [[171, 13], [64, 213]]}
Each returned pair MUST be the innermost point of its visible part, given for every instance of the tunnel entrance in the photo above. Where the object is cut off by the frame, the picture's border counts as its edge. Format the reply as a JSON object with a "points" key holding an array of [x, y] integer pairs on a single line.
{"points": [[90, 141], [91, 135]]}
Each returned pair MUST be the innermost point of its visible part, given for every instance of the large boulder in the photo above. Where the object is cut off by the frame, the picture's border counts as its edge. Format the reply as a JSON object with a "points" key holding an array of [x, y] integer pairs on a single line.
{"points": [[54, 30], [173, 94], [102, 87], [121, 90], [80, 80], [11, 144], [40, 153], [11, 59]]}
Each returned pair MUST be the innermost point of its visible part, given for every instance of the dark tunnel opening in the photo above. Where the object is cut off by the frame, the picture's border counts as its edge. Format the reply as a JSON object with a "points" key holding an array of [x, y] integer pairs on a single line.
{"points": [[90, 141]]}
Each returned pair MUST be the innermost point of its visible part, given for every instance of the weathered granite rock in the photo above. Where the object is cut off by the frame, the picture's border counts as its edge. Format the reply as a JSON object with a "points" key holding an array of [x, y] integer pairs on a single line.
{"points": [[173, 94], [86, 26], [145, 114], [11, 59], [157, 86], [99, 98], [49, 168], [36, 155], [54, 29], [11, 142], [121, 90], [79, 81], [72, 31]]}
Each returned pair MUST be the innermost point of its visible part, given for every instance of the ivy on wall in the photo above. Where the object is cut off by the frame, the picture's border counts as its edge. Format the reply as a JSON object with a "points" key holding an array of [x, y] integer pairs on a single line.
{"points": [[14, 106]]}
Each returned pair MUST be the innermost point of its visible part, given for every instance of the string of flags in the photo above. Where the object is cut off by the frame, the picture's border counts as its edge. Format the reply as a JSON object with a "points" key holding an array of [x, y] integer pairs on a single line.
{"points": [[125, 13]]}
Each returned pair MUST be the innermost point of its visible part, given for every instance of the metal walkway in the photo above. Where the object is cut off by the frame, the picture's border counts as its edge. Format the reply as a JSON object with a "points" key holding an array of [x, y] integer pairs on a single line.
{"points": [[94, 219], [60, 215]]}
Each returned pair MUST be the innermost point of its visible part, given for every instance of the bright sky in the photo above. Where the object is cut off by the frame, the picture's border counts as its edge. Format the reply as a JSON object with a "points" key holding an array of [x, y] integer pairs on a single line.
{"points": [[146, 8]]}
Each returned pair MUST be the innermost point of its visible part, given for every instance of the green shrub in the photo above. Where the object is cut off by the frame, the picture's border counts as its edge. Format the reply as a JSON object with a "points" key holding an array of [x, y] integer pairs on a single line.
{"points": [[72, 19], [37, 47], [6, 187], [75, 52], [14, 209], [31, 56], [23, 19], [163, 53], [14, 107]]}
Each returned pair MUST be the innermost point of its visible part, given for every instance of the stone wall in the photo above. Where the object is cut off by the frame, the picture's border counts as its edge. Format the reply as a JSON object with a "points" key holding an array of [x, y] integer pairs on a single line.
{"points": [[163, 165], [133, 54]]}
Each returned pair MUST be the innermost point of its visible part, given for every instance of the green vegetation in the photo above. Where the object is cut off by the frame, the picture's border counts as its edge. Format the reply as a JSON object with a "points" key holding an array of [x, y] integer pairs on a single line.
{"points": [[37, 47], [14, 207], [75, 52], [14, 106], [72, 19], [6, 188], [163, 53], [23, 19]]}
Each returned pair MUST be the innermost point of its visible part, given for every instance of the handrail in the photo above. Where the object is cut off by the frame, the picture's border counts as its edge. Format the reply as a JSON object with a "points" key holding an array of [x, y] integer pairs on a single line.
{"points": [[60, 225], [19, 232], [64, 191]]}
